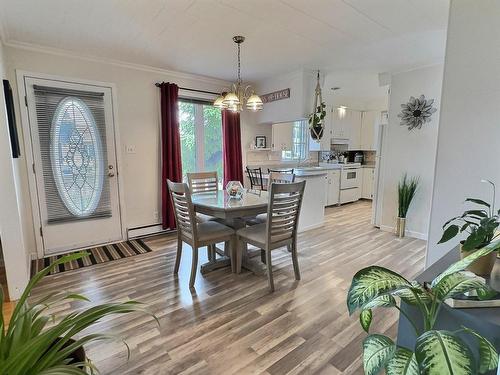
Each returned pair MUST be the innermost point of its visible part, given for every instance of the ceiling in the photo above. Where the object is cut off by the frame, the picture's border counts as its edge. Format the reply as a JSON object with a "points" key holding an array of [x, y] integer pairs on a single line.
{"points": [[195, 36]]}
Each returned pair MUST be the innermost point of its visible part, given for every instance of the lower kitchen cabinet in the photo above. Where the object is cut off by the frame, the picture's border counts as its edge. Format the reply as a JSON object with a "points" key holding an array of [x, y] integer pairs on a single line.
{"points": [[367, 184], [332, 193]]}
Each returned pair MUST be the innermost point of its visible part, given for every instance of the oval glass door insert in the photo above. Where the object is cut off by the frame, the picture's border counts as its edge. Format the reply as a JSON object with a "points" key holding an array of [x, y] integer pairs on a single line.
{"points": [[76, 156]]}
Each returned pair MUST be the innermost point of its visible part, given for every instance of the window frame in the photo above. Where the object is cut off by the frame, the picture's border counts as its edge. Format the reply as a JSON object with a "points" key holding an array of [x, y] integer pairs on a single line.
{"points": [[302, 141]]}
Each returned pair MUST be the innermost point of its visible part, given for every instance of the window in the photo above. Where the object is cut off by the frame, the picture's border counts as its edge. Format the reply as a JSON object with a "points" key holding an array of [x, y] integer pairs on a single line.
{"points": [[76, 155], [201, 137], [300, 142]]}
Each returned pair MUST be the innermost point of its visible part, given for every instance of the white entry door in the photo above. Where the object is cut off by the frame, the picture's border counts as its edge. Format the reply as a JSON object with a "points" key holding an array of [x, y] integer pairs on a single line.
{"points": [[74, 162]]}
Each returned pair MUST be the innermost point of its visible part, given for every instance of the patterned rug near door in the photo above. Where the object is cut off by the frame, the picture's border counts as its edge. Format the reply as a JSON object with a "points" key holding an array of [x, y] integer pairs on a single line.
{"points": [[97, 255]]}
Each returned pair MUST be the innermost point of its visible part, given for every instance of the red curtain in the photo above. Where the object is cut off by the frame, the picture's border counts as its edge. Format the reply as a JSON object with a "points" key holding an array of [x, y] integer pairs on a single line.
{"points": [[171, 149], [231, 147]]}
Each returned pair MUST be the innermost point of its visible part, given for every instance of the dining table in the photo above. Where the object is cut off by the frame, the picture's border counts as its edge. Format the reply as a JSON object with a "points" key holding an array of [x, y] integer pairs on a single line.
{"points": [[233, 212]]}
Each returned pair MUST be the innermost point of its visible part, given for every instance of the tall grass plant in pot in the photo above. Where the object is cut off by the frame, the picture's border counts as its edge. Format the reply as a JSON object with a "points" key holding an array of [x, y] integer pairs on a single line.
{"points": [[38, 343], [407, 188]]}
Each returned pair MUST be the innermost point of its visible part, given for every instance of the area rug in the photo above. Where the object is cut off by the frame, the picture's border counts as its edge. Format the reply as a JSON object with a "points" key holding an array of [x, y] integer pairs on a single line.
{"points": [[97, 255]]}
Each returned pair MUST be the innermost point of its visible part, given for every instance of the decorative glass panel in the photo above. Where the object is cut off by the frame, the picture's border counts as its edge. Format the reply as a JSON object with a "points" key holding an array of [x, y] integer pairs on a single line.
{"points": [[76, 156]]}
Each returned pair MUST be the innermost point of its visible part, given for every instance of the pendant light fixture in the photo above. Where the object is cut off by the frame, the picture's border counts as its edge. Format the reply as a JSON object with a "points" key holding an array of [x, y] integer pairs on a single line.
{"points": [[239, 97]]}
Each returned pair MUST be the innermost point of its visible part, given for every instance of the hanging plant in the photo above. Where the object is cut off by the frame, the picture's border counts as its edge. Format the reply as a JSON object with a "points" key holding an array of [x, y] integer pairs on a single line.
{"points": [[316, 119], [416, 112], [316, 122]]}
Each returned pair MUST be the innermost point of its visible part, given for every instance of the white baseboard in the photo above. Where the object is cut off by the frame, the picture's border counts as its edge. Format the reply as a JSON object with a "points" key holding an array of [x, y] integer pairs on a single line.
{"points": [[314, 226], [408, 233], [145, 231]]}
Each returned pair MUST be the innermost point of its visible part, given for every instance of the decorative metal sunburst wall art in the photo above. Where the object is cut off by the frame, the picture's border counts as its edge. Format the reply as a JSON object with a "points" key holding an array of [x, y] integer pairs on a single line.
{"points": [[416, 112]]}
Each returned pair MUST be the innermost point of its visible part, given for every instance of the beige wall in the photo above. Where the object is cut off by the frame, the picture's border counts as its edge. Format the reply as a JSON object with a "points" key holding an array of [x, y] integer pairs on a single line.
{"points": [[14, 250], [413, 152], [469, 129], [138, 122]]}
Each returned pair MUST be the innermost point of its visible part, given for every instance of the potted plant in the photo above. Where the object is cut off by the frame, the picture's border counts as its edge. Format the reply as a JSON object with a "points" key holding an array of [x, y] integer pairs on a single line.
{"points": [[407, 188], [480, 225], [436, 352], [316, 121], [32, 346]]}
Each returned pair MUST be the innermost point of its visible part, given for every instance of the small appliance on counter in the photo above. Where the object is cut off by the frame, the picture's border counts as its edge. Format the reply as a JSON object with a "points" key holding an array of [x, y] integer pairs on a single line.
{"points": [[359, 157]]}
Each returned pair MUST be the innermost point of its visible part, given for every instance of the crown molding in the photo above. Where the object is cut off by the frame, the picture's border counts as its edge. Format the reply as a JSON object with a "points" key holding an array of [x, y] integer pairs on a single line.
{"points": [[119, 63]]}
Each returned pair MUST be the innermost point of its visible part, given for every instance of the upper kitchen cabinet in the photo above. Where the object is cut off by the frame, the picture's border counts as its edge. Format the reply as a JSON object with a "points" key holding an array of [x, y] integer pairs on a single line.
{"points": [[354, 128], [369, 130], [282, 136], [327, 132], [339, 123]]}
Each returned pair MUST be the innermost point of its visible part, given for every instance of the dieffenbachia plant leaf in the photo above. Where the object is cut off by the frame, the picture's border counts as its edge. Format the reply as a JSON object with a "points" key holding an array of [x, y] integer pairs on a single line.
{"points": [[385, 300], [365, 319], [402, 363], [443, 353], [377, 350], [488, 356], [372, 282], [409, 295], [467, 261], [456, 283], [449, 233]]}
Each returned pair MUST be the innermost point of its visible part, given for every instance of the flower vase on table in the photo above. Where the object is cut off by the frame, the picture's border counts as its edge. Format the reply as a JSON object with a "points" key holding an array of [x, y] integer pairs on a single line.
{"points": [[235, 189]]}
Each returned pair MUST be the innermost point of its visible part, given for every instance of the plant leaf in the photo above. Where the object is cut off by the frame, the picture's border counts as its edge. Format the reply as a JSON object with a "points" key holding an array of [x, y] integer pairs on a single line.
{"points": [[467, 261], [456, 283], [377, 350], [408, 295], [385, 300], [365, 319], [372, 282], [478, 201], [402, 363], [443, 353], [449, 233], [488, 356], [476, 239]]}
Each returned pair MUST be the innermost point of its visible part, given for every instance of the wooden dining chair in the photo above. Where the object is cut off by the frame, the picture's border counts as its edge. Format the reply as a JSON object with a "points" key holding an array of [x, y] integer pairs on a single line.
{"points": [[285, 201], [193, 233], [289, 171], [203, 182], [255, 177], [276, 178]]}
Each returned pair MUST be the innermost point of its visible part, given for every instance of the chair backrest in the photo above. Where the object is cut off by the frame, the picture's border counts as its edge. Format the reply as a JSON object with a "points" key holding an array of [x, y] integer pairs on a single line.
{"points": [[289, 171], [285, 201], [255, 176], [280, 178], [203, 182], [185, 217]]}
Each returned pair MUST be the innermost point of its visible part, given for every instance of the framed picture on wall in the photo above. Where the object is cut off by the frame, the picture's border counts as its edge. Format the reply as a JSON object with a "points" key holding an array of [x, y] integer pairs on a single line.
{"points": [[260, 141]]}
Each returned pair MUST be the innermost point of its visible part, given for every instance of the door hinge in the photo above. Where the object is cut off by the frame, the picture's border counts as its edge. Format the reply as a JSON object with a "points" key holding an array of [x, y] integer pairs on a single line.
{"points": [[41, 232], [25, 100]]}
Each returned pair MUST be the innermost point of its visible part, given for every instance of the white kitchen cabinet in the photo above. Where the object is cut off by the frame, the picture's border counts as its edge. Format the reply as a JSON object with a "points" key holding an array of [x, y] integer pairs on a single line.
{"points": [[282, 136], [367, 182], [332, 187], [339, 122], [354, 129], [369, 129]]}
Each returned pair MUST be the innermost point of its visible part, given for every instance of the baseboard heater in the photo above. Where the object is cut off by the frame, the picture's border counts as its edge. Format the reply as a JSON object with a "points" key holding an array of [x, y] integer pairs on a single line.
{"points": [[146, 230]]}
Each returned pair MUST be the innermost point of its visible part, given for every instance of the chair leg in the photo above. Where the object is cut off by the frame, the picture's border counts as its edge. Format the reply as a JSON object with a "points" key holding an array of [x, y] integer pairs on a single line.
{"points": [[269, 270], [295, 260], [263, 256], [211, 253], [227, 245], [178, 256], [194, 266], [289, 248]]}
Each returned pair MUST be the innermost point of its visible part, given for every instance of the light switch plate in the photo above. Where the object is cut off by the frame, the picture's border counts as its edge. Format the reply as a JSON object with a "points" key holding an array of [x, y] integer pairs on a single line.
{"points": [[130, 149]]}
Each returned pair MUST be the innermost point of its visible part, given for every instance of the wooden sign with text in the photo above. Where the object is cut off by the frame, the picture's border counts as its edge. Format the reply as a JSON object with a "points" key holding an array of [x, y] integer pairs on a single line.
{"points": [[276, 95]]}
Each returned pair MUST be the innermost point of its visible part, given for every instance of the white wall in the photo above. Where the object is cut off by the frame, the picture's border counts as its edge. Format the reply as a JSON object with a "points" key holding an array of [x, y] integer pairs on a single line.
{"points": [[138, 122], [11, 233], [469, 133], [413, 152]]}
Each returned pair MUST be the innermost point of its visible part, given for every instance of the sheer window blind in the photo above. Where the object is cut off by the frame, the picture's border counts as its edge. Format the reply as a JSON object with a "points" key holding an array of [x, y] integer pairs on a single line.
{"points": [[72, 135]]}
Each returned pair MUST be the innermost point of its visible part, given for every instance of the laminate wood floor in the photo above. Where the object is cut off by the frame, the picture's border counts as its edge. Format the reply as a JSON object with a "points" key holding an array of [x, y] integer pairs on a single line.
{"points": [[231, 324]]}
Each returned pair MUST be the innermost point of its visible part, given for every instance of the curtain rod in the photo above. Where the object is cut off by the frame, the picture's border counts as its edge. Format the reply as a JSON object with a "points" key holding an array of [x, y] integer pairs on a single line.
{"points": [[157, 84]]}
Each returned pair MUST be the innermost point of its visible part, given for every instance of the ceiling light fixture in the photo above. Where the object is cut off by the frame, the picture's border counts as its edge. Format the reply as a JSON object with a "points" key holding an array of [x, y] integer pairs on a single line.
{"points": [[239, 96]]}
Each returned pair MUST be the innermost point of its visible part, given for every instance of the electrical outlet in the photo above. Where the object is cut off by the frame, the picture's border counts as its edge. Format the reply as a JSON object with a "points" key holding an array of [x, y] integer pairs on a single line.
{"points": [[130, 149], [155, 215]]}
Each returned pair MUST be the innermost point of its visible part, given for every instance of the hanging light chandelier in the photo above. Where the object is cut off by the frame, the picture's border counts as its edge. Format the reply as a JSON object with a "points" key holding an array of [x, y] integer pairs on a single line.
{"points": [[238, 96]]}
